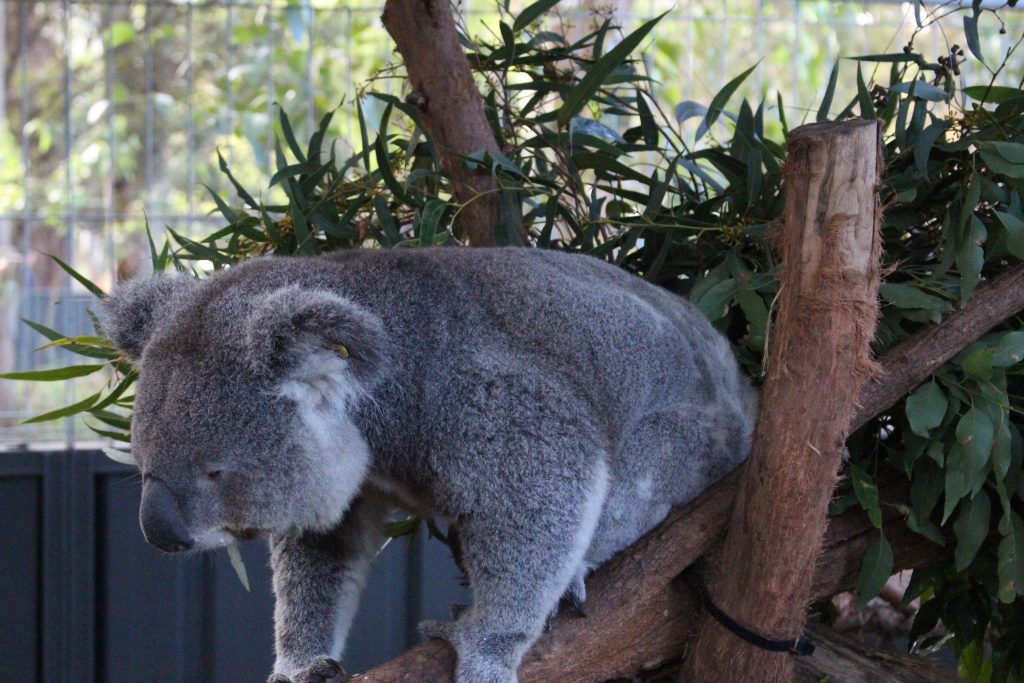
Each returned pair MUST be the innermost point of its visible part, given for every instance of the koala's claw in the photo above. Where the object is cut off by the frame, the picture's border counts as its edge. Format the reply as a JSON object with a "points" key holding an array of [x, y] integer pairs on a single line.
{"points": [[577, 603], [575, 595], [322, 669]]}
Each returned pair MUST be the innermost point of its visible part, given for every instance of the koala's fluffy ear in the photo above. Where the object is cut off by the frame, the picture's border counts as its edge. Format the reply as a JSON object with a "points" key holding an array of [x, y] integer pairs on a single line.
{"points": [[130, 312], [292, 326]]}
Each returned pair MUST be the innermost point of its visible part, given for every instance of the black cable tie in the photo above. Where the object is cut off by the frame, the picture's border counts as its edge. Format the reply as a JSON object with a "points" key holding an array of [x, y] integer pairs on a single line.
{"points": [[800, 647]]}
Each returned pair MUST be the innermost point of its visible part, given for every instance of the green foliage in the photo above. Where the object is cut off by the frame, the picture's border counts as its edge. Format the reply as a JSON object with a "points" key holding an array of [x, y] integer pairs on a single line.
{"points": [[591, 163], [875, 570]]}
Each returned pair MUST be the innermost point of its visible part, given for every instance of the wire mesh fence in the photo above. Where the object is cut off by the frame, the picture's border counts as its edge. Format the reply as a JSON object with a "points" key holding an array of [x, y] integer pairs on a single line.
{"points": [[116, 114]]}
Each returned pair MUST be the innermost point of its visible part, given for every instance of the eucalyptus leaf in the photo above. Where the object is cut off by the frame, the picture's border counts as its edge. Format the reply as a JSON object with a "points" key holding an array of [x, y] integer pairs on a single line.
{"points": [[1011, 559], [830, 92], [1009, 350], [721, 99], [73, 409], [992, 93], [1003, 157], [968, 459], [1014, 233], [578, 124], [925, 143], [924, 90], [925, 408], [688, 109], [237, 563], [907, 296], [875, 570], [85, 282], [754, 310], [1002, 451], [925, 528], [978, 364], [532, 13], [121, 456], [971, 33], [867, 107], [54, 374], [971, 528], [867, 494], [970, 258], [713, 304]]}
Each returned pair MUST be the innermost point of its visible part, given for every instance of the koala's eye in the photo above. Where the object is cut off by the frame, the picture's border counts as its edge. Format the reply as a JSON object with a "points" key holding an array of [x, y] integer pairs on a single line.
{"points": [[213, 471]]}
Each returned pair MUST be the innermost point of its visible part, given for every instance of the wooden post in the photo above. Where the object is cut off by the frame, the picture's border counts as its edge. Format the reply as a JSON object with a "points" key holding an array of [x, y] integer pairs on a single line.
{"points": [[819, 361], [450, 104]]}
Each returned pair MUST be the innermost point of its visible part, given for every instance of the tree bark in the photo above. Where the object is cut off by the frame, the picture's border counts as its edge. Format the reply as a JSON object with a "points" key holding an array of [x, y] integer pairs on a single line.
{"points": [[450, 105], [636, 619], [818, 363]]}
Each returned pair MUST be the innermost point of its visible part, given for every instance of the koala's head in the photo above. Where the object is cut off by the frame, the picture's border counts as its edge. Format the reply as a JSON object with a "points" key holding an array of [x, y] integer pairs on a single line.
{"points": [[241, 422]]}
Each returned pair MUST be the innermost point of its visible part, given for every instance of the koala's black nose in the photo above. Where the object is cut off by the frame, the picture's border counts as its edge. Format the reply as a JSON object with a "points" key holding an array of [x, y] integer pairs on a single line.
{"points": [[162, 522]]}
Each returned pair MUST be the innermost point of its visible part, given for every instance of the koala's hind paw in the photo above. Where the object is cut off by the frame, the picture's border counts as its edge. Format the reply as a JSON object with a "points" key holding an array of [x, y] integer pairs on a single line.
{"points": [[322, 669], [577, 604], [575, 595]]}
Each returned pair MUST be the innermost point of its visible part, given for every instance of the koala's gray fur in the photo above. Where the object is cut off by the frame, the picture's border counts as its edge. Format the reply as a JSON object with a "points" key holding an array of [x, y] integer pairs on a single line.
{"points": [[551, 407]]}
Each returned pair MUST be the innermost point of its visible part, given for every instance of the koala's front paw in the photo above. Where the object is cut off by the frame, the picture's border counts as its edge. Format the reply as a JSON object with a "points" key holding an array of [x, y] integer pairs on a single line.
{"points": [[322, 669], [443, 630]]}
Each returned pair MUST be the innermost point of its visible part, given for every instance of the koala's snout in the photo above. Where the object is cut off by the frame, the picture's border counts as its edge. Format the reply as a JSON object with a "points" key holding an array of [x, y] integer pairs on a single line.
{"points": [[163, 524]]}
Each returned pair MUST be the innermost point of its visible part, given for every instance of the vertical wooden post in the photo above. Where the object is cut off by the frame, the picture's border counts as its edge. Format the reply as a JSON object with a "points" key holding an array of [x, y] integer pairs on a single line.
{"points": [[450, 104], [818, 362]]}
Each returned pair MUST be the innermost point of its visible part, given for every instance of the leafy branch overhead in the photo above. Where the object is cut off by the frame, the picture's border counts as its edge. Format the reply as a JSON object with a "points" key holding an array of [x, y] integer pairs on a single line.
{"points": [[688, 195]]}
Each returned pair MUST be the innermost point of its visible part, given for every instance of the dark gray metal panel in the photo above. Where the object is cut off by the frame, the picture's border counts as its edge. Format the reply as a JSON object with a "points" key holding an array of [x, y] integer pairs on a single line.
{"points": [[240, 644], [20, 463], [79, 525], [56, 560], [379, 630], [144, 632], [440, 582], [20, 524]]}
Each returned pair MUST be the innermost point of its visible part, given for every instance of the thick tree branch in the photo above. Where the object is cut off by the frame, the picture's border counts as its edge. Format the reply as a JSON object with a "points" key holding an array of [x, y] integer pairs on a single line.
{"points": [[638, 619], [450, 105]]}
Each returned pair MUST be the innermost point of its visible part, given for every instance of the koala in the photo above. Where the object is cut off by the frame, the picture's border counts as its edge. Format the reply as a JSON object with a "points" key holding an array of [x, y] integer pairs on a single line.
{"points": [[550, 407]]}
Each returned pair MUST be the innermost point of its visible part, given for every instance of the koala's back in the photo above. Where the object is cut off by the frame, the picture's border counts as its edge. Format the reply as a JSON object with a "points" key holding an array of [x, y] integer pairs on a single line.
{"points": [[630, 347], [629, 344], [655, 381]]}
